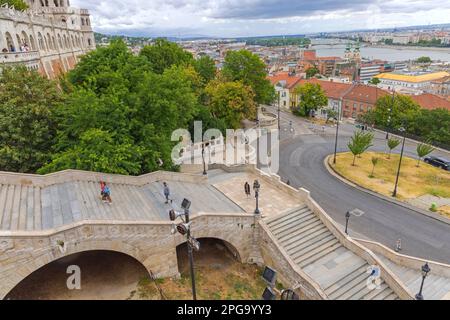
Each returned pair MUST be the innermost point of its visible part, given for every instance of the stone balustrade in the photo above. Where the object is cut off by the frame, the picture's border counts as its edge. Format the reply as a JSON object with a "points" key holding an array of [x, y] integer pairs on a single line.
{"points": [[19, 57]]}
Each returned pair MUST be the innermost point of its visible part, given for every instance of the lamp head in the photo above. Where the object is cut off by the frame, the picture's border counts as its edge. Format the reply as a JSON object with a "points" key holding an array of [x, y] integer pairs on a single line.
{"points": [[347, 215], [425, 269]]}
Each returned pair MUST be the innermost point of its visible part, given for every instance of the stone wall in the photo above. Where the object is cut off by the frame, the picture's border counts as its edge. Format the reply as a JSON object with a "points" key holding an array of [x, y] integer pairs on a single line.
{"points": [[22, 253], [56, 36]]}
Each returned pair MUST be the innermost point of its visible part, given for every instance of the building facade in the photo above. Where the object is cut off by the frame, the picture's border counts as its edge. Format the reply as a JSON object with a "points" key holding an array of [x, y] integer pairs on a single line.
{"points": [[50, 36]]}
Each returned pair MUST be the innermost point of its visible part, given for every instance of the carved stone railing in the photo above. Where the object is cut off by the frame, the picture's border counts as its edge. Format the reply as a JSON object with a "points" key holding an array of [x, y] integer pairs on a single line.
{"points": [[19, 57]]}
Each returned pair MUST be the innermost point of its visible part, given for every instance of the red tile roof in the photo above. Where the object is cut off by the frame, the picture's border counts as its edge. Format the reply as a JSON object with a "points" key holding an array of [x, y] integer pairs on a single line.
{"points": [[365, 94], [334, 90], [430, 101], [284, 76]]}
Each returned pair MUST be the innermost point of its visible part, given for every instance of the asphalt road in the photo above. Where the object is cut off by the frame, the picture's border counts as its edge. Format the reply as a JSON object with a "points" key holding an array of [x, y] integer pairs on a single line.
{"points": [[302, 153]]}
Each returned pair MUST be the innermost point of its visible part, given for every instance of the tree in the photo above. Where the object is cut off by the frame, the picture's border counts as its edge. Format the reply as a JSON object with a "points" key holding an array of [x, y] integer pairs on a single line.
{"points": [[164, 54], [423, 149], [206, 68], [247, 67], [27, 127], [18, 4], [98, 151], [374, 163], [375, 81], [424, 59], [311, 97], [311, 72], [331, 114], [404, 110], [231, 101], [392, 144], [359, 143]]}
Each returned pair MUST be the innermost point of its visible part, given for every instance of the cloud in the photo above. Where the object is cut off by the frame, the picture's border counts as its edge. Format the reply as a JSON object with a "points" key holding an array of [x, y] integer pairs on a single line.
{"points": [[257, 17]]}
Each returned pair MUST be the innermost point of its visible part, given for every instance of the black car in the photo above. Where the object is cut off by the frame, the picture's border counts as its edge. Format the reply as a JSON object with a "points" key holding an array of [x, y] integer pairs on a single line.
{"points": [[438, 162]]}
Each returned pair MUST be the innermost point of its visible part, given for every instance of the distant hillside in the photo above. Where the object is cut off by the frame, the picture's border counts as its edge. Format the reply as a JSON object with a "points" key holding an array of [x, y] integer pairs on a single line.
{"points": [[104, 38]]}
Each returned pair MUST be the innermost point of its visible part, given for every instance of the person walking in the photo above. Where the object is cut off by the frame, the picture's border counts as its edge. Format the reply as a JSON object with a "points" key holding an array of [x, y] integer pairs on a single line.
{"points": [[247, 189], [102, 189], [107, 194], [167, 192]]}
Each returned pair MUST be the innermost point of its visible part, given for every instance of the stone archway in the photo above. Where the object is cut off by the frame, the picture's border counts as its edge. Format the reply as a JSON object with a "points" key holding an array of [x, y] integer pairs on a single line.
{"points": [[101, 274]]}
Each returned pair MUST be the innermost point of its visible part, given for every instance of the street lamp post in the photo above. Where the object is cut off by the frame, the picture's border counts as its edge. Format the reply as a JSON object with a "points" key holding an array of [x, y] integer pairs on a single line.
{"points": [[279, 111], [191, 256], [394, 194], [425, 270], [256, 188], [347, 217], [203, 158], [337, 134], [185, 229], [390, 113]]}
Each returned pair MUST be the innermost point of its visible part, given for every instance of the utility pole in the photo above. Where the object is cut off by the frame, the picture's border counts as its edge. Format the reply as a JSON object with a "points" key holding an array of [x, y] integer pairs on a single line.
{"points": [[191, 256]]}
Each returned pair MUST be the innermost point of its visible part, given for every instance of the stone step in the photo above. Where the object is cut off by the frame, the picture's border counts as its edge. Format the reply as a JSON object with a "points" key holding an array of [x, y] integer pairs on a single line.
{"points": [[303, 240], [392, 296], [318, 253], [353, 272], [294, 241], [346, 286], [298, 214], [383, 294], [372, 294], [356, 289], [294, 225], [308, 240], [303, 250], [272, 222], [300, 230]]}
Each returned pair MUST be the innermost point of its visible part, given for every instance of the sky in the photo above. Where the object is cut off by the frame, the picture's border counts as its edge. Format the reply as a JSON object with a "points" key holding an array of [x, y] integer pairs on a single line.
{"points": [[236, 18]]}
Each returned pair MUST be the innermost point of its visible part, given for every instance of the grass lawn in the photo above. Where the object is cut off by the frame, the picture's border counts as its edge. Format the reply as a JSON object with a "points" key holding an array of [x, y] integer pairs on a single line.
{"points": [[414, 181]]}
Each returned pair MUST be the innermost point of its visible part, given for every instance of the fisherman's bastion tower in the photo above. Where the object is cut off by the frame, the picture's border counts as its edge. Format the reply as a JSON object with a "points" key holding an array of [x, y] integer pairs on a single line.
{"points": [[50, 36]]}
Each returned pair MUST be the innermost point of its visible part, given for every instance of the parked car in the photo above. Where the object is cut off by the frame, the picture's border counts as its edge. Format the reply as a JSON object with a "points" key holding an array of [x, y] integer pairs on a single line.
{"points": [[438, 162]]}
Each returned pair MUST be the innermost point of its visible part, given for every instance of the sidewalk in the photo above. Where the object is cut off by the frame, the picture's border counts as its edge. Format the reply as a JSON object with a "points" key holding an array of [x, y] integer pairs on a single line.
{"points": [[271, 199]]}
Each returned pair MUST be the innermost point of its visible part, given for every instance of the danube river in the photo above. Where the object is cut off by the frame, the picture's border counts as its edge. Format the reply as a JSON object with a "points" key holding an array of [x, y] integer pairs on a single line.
{"points": [[385, 53]]}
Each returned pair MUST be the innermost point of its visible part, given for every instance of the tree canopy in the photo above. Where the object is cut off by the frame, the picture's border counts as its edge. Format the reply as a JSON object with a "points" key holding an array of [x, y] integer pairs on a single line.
{"points": [[18, 4], [311, 97], [27, 128], [163, 54], [247, 67]]}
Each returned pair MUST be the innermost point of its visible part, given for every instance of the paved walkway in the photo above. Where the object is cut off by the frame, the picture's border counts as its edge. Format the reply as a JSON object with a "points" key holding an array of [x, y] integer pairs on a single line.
{"points": [[271, 199]]}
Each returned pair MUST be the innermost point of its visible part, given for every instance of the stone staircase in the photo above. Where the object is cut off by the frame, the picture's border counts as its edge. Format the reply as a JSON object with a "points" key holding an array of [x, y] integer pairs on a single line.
{"points": [[339, 272], [32, 208], [436, 287]]}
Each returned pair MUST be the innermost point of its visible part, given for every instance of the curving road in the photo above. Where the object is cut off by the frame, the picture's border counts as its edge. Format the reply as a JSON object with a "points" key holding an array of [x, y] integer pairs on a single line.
{"points": [[301, 162]]}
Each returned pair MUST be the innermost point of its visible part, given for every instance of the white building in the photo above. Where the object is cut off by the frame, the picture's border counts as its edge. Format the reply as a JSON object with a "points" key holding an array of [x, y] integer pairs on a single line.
{"points": [[50, 36], [410, 82]]}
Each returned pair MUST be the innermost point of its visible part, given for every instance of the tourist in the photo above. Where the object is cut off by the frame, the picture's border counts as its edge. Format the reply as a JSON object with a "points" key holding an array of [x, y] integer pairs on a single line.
{"points": [[102, 188], [12, 49], [107, 194], [167, 192], [247, 189]]}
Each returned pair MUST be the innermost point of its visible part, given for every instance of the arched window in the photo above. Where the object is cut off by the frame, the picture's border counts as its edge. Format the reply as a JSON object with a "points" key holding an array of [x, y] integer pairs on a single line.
{"points": [[82, 21], [56, 3], [49, 39], [54, 43], [60, 41], [32, 43], [9, 42], [25, 39], [40, 42], [89, 42]]}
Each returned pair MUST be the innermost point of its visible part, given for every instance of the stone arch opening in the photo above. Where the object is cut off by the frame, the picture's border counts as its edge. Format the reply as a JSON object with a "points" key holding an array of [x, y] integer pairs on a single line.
{"points": [[211, 246], [104, 274], [9, 42]]}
